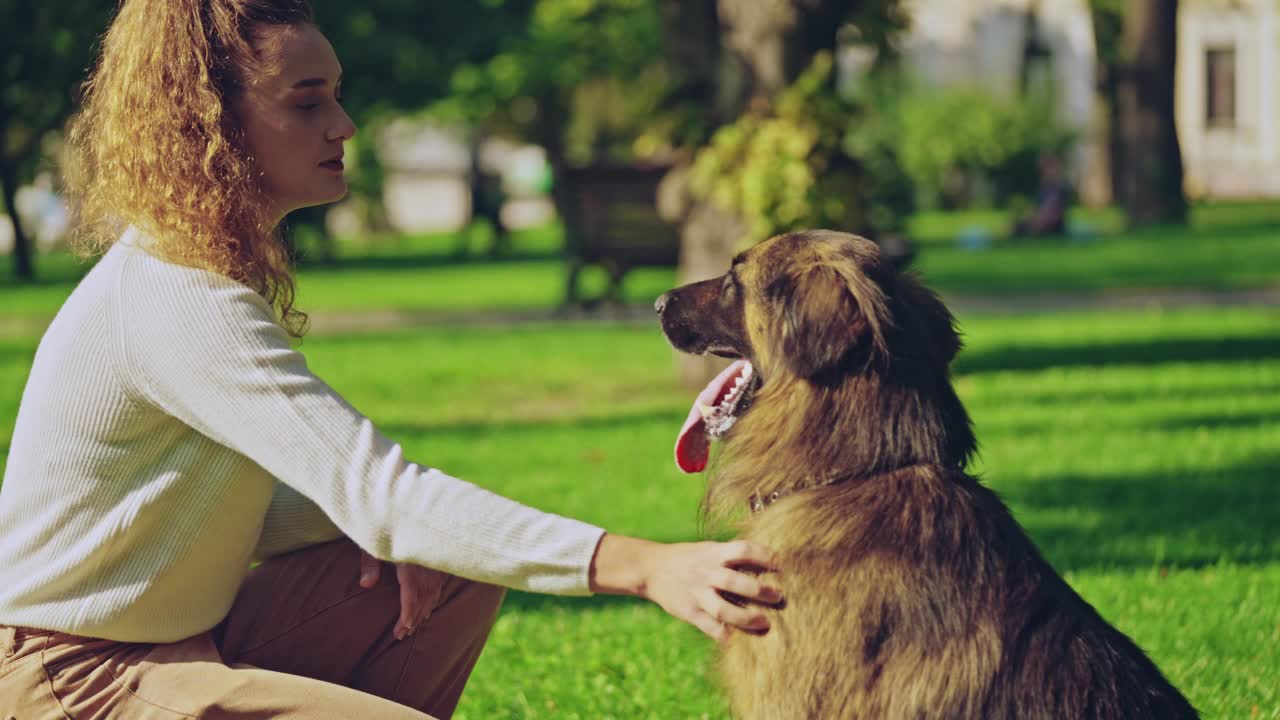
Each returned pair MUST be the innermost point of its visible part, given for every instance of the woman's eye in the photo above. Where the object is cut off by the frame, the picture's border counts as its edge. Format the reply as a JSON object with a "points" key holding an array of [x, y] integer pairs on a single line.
{"points": [[309, 106]]}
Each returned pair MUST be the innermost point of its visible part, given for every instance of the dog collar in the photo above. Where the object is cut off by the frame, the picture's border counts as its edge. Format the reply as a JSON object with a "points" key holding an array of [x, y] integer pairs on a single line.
{"points": [[759, 501]]}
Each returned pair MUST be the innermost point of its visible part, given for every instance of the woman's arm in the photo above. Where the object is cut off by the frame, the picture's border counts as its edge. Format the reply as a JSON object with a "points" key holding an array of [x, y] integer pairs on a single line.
{"points": [[292, 522], [207, 351], [688, 579]]}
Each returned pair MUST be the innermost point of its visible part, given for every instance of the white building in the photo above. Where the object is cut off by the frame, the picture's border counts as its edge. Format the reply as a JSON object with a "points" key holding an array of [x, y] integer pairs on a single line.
{"points": [[1226, 106], [981, 42], [1228, 117]]}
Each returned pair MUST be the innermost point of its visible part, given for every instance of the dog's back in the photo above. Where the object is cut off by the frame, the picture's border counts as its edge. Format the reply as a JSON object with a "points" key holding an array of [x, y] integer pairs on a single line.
{"points": [[914, 594]]}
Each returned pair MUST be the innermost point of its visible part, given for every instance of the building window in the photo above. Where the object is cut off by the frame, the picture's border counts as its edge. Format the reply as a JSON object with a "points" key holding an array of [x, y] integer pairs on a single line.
{"points": [[1220, 96]]}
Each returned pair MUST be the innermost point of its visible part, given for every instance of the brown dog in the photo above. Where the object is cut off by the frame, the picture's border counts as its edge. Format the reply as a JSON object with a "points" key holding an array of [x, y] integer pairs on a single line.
{"points": [[911, 591]]}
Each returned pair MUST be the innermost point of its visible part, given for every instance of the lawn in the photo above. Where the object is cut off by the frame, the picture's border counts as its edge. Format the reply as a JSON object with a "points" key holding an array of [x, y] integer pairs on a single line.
{"points": [[1225, 247], [1140, 449]]}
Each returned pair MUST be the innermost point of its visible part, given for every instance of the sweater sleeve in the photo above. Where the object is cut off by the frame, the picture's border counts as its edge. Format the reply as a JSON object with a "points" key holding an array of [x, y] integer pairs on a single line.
{"points": [[292, 522], [208, 351]]}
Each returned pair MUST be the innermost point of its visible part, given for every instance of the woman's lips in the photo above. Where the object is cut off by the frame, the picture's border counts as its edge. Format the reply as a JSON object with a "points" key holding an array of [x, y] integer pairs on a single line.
{"points": [[334, 165]]}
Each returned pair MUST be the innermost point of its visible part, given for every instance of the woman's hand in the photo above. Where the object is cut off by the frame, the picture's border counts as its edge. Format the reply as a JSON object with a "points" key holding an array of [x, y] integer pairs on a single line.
{"points": [[420, 589], [688, 580]]}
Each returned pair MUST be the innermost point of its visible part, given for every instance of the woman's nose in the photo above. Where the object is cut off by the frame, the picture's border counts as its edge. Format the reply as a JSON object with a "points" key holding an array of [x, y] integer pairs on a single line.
{"points": [[345, 129]]}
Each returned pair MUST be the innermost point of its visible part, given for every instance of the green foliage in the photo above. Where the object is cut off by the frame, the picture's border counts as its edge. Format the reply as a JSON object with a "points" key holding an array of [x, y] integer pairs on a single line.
{"points": [[45, 51], [814, 158], [970, 134], [1108, 24], [399, 55], [581, 77]]}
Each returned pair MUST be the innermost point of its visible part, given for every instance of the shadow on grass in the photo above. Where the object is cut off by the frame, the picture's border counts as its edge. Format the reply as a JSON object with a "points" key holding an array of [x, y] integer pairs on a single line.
{"points": [[1146, 352], [1184, 518], [17, 354], [523, 602], [63, 275], [1222, 421], [1048, 395], [425, 261], [1239, 420]]}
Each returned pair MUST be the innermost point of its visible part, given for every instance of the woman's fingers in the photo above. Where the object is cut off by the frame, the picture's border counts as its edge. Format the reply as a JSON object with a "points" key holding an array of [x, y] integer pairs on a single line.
{"points": [[410, 607], [370, 569], [692, 582], [745, 554], [746, 587], [751, 619], [709, 626], [420, 590]]}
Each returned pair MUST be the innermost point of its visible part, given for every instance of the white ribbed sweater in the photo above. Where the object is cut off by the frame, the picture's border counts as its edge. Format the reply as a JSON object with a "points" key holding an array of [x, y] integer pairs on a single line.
{"points": [[168, 434]]}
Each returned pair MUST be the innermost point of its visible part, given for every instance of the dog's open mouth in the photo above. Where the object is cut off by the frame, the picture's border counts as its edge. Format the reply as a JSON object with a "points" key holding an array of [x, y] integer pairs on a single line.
{"points": [[713, 413]]}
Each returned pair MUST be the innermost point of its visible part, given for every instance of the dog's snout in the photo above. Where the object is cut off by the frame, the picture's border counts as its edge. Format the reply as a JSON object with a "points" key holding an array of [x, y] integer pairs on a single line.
{"points": [[661, 303]]}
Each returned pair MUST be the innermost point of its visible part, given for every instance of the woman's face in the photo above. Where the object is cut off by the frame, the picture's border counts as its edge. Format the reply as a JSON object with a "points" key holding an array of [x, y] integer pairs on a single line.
{"points": [[293, 123]]}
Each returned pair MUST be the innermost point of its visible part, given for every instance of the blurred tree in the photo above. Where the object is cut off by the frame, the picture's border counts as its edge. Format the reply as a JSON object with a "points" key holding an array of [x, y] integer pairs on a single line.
{"points": [[1108, 23], [732, 63], [398, 57], [45, 50], [1137, 49], [1151, 185], [580, 79]]}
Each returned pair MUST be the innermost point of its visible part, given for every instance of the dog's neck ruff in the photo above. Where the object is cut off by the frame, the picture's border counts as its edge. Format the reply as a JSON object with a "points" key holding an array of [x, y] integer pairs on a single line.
{"points": [[759, 501]]}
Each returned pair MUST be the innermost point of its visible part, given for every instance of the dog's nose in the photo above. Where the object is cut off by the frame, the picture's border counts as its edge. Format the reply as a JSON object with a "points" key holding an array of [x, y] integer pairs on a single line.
{"points": [[661, 303]]}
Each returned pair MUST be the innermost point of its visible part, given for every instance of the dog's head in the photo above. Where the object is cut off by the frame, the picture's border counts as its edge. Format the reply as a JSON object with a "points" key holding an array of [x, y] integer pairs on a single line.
{"points": [[814, 308]]}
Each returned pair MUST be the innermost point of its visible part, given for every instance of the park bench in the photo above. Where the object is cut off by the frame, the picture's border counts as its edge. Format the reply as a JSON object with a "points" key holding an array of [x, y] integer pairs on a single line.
{"points": [[612, 222]]}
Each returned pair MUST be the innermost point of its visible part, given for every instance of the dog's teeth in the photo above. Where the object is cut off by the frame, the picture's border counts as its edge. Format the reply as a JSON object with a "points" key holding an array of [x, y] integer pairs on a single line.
{"points": [[706, 410]]}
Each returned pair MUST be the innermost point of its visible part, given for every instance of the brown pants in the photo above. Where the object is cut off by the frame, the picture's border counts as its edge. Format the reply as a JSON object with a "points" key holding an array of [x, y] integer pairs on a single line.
{"points": [[303, 640]]}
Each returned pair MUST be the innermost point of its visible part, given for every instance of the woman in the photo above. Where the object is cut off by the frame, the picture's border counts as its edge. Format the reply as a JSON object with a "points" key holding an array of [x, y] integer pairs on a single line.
{"points": [[168, 435]]}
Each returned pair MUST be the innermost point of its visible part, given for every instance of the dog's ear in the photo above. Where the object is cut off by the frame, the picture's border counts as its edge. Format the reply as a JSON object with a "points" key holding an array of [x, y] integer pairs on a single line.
{"points": [[936, 324], [821, 320]]}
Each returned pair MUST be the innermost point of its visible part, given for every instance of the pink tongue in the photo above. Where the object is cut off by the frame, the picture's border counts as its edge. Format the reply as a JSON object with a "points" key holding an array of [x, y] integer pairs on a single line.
{"points": [[693, 446]]}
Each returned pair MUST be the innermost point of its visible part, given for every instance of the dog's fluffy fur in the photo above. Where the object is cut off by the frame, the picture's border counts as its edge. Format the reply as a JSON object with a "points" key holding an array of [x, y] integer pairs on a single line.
{"points": [[911, 592]]}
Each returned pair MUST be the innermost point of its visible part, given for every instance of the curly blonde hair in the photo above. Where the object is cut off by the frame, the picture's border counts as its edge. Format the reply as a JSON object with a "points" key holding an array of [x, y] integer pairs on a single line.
{"points": [[157, 144]]}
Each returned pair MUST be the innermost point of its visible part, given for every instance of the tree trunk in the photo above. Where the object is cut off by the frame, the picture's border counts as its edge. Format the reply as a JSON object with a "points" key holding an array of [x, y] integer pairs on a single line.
{"points": [[1151, 165], [1115, 140], [23, 268], [732, 52]]}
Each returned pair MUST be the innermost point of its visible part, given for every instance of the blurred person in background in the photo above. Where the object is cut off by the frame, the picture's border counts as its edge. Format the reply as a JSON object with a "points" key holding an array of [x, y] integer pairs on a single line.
{"points": [[1053, 197], [169, 435]]}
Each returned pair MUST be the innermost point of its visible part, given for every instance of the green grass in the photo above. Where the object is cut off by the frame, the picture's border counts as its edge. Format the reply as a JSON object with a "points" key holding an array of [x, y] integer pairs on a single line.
{"points": [[1225, 247], [1140, 450]]}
